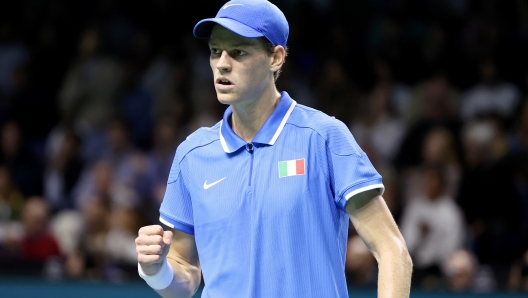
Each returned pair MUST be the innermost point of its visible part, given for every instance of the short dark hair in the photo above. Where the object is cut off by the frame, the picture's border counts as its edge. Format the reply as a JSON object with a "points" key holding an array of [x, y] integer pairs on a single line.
{"points": [[270, 49]]}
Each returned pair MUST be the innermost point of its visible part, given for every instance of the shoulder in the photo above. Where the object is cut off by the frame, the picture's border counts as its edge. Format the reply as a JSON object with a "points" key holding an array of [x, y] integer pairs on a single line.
{"points": [[334, 132], [200, 138]]}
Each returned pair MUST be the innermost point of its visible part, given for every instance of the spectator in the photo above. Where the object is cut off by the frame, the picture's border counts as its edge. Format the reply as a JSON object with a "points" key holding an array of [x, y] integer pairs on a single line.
{"points": [[337, 95], [378, 128], [13, 55], [91, 85], [11, 200], [519, 274], [38, 244], [465, 274], [490, 175], [128, 163], [400, 93], [159, 162], [34, 244], [432, 226], [11, 206], [67, 226], [461, 267], [120, 246], [438, 149], [491, 96], [518, 142], [100, 182], [63, 172], [89, 260], [26, 170], [434, 104]]}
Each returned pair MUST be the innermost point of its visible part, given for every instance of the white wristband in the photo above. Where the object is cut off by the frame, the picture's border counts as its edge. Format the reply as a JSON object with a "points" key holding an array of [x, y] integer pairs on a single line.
{"points": [[160, 280]]}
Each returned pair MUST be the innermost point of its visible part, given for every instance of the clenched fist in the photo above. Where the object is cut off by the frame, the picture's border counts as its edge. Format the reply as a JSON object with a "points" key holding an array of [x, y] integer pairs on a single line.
{"points": [[152, 247]]}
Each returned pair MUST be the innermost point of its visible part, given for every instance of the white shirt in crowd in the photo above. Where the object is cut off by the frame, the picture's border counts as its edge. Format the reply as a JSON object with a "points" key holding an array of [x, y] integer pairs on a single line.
{"points": [[501, 99], [443, 222]]}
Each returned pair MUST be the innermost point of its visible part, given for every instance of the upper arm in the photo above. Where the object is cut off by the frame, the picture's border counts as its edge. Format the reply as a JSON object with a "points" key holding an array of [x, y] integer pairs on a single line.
{"points": [[374, 223]]}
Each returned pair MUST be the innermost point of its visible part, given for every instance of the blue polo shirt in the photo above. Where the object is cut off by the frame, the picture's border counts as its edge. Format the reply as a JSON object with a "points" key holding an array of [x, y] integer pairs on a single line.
{"points": [[269, 216]]}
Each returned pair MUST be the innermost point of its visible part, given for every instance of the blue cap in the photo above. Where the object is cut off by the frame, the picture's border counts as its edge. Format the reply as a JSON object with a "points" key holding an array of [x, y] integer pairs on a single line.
{"points": [[248, 18]]}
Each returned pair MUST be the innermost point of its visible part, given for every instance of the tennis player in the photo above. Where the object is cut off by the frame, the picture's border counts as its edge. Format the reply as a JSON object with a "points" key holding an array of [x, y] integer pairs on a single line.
{"points": [[260, 203]]}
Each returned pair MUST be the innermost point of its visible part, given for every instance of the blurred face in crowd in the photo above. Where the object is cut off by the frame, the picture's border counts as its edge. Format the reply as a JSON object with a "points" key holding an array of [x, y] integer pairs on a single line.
{"points": [[437, 145], [165, 133], [95, 214], [379, 103], [487, 72], [333, 73], [433, 184], [242, 68], [5, 180], [10, 138], [125, 220], [89, 42], [103, 176], [117, 136], [478, 140], [70, 145], [35, 216], [461, 270]]}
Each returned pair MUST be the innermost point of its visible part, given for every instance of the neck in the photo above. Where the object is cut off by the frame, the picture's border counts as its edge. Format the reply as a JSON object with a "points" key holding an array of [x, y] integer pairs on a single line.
{"points": [[248, 117]]}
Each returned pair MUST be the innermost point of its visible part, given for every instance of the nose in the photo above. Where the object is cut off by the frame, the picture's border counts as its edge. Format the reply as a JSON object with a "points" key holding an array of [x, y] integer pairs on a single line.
{"points": [[223, 64]]}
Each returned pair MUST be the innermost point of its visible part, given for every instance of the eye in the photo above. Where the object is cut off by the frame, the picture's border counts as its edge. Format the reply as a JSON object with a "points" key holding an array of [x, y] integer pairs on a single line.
{"points": [[239, 53], [215, 52]]}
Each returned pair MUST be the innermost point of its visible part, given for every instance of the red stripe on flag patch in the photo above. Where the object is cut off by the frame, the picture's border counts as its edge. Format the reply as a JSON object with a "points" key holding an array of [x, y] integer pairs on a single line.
{"points": [[300, 166]]}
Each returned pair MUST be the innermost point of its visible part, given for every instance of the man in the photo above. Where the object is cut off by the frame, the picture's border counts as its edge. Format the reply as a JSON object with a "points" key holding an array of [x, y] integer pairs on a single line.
{"points": [[260, 203]]}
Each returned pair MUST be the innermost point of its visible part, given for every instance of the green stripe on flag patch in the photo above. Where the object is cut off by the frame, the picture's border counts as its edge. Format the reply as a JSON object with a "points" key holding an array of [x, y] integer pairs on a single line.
{"points": [[283, 169]]}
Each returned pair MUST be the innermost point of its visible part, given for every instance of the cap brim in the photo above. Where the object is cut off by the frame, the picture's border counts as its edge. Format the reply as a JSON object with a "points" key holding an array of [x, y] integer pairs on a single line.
{"points": [[204, 27]]}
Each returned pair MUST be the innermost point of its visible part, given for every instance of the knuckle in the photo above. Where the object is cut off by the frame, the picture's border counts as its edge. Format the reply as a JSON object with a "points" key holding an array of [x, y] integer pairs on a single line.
{"points": [[143, 231], [158, 239], [157, 249], [159, 229]]}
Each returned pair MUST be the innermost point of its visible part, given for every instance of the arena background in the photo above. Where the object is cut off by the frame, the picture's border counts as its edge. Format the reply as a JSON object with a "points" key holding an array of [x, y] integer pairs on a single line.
{"points": [[96, 95]]}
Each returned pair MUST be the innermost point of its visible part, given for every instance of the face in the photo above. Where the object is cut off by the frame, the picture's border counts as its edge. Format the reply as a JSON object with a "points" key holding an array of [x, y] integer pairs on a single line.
{"points": [[241, 67]]}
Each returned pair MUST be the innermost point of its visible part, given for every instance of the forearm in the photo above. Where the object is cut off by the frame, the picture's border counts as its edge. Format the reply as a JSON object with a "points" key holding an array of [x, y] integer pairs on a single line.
{"points": [[376, 226], [185, 281], [394, 277]]}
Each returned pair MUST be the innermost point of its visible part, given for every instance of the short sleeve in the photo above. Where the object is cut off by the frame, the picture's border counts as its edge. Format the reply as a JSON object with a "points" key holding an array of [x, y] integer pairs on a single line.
{"points": [[176, 208], [351, 171]]}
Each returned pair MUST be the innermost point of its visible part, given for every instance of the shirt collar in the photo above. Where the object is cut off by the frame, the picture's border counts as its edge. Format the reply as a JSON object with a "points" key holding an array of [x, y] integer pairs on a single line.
{"points": [[267, 134]]}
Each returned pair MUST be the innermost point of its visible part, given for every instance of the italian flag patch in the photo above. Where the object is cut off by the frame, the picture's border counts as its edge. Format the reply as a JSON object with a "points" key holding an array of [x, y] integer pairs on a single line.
{"points": [[291, 168]]}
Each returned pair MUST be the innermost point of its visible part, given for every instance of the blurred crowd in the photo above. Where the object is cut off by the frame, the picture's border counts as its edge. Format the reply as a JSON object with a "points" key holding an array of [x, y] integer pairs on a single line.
{"points": [[95, 96]]}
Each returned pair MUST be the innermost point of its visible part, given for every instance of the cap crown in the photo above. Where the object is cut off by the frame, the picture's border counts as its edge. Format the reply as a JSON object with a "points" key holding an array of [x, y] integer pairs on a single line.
{"points": [[260, 15]]}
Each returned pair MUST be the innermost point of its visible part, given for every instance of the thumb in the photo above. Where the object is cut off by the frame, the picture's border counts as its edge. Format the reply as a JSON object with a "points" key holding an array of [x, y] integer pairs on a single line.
{"points": [[167, 240]]}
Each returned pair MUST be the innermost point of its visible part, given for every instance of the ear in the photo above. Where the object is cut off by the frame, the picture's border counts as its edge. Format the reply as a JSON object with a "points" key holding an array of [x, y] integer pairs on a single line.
{"points": [[278, 58]]}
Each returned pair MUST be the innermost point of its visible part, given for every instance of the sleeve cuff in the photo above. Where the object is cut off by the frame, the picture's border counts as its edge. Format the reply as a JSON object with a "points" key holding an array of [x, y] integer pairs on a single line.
{"points": [[176, 224], [379, 186], [359, 188]]}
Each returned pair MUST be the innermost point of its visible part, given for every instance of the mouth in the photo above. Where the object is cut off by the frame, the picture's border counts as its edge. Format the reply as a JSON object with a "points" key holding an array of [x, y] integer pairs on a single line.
{"points": [[224, 82]]}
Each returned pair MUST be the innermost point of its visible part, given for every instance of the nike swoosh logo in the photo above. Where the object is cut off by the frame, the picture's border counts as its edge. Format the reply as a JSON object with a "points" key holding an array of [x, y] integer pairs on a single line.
{"points": [[206, 186], [226, 6]]}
